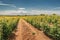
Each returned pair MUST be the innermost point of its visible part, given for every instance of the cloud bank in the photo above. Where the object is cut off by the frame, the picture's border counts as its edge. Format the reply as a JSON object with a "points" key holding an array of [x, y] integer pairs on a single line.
{"points": [[23, 11]]}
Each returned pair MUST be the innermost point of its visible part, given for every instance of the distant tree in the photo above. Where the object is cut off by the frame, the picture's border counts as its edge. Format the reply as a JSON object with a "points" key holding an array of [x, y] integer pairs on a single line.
{"points": [[53, 14], [25, 15], [42, 14]]}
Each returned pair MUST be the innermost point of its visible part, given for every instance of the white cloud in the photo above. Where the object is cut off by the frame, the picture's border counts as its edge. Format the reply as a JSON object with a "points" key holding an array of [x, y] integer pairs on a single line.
{"points": [[37, 12], [57, 8], [4, 4], [23, 11], [13, 12], [21, 8]]}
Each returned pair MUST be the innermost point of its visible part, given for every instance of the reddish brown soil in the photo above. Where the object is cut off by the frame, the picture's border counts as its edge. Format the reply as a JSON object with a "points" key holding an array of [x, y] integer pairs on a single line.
{"points": [[26, 31]]}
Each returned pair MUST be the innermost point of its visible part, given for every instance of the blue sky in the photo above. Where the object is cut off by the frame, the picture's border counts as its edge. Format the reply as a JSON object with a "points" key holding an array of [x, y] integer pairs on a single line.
{"points": [[29, 5]]}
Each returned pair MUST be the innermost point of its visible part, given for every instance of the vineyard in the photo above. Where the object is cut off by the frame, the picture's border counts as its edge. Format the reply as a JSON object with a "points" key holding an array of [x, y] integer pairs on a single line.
{"points": [[49, 24]]}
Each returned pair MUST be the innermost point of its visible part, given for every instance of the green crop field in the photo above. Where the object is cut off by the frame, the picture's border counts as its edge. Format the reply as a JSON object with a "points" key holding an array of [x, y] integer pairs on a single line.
{"points": [[7, 25], [49, 24]]}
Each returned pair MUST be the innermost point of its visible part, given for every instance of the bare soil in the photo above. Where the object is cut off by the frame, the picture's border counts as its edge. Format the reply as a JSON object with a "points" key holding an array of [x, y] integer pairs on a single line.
{"points": [[26, 31]]}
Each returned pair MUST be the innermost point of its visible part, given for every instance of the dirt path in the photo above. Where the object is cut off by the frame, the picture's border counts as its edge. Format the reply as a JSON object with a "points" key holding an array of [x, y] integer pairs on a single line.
{"points": [[25, 31]]}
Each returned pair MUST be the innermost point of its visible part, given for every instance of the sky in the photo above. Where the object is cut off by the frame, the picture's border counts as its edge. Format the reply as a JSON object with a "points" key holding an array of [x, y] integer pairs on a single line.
{"points": [[30, 7]]}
